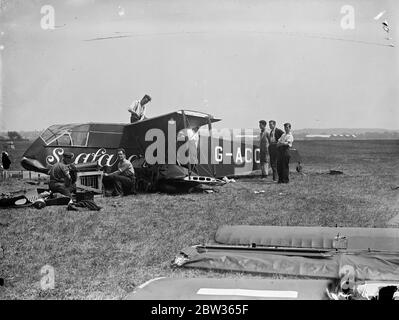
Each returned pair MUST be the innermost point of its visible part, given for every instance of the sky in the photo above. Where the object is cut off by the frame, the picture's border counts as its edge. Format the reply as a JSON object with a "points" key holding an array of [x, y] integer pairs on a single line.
{"points": [[289, 60]]}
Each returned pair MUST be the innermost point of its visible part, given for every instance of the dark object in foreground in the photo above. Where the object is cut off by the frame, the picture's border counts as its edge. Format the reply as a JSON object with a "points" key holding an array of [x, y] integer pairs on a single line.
{"points": [[43, 198], [333, 172], [83, 205], [14, 200], [386, 293]]}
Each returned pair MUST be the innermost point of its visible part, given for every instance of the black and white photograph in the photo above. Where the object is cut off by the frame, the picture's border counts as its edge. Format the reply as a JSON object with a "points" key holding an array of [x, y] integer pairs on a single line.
{"points": [[199, 150]]}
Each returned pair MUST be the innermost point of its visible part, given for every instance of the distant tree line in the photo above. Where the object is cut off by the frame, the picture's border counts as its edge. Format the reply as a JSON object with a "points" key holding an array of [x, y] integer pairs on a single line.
{"points": [[13, 136]]}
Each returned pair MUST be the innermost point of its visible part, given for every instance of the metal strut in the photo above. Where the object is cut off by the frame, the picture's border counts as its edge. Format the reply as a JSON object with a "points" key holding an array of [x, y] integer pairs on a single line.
{"points": [[186, 140]]}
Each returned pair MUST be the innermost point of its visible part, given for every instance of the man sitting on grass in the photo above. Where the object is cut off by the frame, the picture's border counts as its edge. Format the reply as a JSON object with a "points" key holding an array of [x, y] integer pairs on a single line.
{"points": [[122, 181]]}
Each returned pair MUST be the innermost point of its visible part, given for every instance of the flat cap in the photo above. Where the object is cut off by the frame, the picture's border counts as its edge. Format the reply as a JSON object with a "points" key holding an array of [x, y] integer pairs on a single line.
{"points": [[68, 155]]}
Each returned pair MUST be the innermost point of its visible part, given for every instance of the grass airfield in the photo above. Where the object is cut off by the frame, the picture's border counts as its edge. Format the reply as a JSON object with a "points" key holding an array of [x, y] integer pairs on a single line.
{"points": [[106, 254]]}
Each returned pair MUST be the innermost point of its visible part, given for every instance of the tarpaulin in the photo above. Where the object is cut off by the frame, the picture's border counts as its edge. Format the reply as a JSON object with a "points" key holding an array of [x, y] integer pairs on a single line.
{"points": [[369, 254]]}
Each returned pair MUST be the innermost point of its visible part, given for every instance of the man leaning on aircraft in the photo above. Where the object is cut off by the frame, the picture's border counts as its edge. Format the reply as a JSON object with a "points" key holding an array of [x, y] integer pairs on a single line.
{"points": [[138, 108]]}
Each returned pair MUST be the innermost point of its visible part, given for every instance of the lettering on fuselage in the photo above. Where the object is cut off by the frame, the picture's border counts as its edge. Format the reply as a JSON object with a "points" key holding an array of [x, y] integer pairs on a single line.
{"points": [[101, 155], [238, 157]]}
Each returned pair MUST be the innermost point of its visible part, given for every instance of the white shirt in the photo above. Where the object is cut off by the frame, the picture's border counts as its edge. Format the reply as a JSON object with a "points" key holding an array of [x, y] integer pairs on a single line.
{"points": [[190, 134], [287, 138], [193, 136], [138, 109], [272, 135]]}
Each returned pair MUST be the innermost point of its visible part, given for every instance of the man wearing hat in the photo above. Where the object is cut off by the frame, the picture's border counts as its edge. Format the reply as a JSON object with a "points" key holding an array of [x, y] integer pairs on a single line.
{"points": [[138, 108], [60, 176], [264, 141]]}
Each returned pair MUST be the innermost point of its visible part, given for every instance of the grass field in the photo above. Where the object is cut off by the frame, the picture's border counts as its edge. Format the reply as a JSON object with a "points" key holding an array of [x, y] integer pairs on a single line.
{"points": [[106, 254]]}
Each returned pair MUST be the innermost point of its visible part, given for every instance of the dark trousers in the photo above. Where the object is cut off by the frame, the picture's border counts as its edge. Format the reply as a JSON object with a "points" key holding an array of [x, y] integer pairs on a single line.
{"points": [[61, 187], [273, 159], [120, 185], [134, 118], [283, 164]]}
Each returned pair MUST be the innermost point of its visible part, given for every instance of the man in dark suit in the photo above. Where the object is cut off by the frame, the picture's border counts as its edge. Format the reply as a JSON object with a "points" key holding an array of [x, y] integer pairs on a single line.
{"points": [[275, 134]]}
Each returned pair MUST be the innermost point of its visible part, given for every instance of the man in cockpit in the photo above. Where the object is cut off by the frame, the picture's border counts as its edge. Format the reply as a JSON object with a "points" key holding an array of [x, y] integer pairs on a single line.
{"points": [[138, 108]]}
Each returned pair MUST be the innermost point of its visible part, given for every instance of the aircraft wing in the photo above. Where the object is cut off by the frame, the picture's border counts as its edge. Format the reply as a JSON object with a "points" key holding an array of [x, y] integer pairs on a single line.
{"points": [[230, 289], [133, 137], [185, 119], [370, 253]]}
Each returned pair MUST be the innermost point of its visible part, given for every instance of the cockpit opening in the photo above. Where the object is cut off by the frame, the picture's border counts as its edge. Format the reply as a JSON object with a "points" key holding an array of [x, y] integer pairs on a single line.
{"points": [[83, 135], [66, 135]]}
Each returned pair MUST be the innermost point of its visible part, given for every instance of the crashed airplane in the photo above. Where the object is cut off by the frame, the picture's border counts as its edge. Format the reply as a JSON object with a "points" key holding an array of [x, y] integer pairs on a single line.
{"points": [[220, 153]]}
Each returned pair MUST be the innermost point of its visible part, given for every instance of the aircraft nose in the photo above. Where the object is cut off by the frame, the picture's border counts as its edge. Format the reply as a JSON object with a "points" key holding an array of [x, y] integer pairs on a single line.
{"points": [[34, 157], [33, 165]]}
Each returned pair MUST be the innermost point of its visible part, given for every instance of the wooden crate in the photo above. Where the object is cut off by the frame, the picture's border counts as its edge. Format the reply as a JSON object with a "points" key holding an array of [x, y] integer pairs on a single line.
{"points": [[90, 181]]}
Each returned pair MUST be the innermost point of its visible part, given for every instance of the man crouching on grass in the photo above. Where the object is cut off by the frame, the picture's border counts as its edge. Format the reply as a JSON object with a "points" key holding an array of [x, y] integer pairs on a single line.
{"points": [[60, 176], [122, 181]]}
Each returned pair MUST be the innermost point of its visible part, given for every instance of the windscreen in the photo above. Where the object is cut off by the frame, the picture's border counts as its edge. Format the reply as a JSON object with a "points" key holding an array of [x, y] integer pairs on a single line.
{"points": [[69, 134]]}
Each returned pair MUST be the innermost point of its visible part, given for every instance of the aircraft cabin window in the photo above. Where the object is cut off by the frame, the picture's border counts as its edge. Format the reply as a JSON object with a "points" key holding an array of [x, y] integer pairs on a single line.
{"points": [[64, 140], [79, 138], [48, 135], [66, 135]]}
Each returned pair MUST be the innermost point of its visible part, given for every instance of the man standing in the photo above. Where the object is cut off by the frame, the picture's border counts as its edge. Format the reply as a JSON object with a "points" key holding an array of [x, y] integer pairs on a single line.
{"points": [[138, 108], [275, 134], [60, 176], [193, 137], [264, 146], [123, 180], [283, 156]]}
